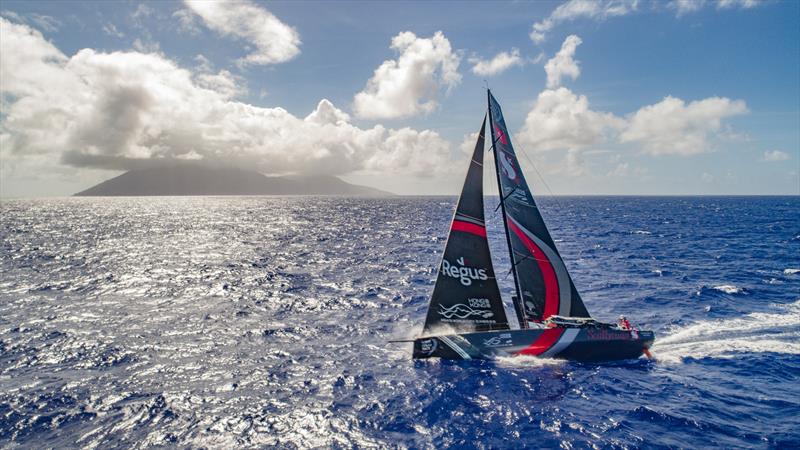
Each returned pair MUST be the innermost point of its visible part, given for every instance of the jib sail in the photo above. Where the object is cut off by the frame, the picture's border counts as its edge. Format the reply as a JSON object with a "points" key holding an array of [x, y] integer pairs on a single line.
{"points": [[466, 296], [545, 288]]}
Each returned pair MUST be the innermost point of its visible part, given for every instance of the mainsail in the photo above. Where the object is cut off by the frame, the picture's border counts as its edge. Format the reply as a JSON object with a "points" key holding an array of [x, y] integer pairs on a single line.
{"points": [[543, 283], [466, 296]]}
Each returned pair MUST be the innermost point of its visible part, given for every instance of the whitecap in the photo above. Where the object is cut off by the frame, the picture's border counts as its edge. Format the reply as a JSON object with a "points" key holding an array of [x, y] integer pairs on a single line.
{"points": [[729, 289], [642, 232], [791, 271]]}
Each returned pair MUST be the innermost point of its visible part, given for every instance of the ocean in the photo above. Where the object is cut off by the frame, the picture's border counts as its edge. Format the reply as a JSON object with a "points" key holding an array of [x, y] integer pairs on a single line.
{"points": [[251, 322]]}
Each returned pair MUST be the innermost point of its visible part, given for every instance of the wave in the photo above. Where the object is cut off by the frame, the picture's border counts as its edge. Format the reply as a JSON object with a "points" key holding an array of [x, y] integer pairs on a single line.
{"points": [[729, 289], [790, 271], [758, 332]]}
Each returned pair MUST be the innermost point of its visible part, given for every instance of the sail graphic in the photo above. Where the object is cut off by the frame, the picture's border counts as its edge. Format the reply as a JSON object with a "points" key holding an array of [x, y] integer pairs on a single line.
{"points": [[466, 296], [545, 288]]}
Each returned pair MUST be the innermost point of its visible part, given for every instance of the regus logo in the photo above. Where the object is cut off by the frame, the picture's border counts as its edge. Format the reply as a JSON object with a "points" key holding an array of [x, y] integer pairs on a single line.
{"points": [[464, 274]]}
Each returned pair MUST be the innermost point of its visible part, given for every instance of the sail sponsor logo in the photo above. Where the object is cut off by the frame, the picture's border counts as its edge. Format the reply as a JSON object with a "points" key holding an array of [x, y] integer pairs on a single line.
{"points": [[462, 311], [501, 340], [480, 303], [501, 136], [464, 274], [508, 167], [609, 335]]}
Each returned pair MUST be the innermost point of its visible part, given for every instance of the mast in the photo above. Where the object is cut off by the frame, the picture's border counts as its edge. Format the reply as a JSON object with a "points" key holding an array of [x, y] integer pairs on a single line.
{"points": [[518, 308], [466, 296], [543, 281]]}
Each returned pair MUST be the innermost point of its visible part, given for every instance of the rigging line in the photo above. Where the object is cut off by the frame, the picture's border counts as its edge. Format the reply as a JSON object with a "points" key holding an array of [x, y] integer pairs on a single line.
{"points": [[560, 205], [504, 198]]}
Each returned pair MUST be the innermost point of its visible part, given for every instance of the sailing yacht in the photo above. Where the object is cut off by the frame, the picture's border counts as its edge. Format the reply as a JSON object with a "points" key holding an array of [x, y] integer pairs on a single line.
{"points": [[466, 318]]}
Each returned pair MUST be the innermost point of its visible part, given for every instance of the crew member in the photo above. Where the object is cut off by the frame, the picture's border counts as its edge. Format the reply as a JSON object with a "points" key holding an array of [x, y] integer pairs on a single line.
{"points": [[623, 323]]}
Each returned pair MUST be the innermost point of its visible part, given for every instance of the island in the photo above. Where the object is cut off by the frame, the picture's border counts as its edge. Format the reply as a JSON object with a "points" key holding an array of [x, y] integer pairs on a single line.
{"points": [[202, 180]]}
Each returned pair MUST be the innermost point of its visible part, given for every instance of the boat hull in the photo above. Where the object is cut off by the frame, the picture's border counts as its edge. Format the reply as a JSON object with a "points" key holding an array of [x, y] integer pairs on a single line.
{"points": [[577, 344]]}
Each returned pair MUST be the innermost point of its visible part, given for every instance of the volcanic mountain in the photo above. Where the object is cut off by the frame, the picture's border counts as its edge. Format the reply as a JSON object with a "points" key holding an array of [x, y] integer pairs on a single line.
{"points": [[199, 180]]}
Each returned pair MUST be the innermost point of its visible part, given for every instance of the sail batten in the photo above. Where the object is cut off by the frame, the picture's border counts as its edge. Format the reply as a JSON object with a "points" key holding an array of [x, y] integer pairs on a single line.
{"points": [[544, 285], [466, 296]]}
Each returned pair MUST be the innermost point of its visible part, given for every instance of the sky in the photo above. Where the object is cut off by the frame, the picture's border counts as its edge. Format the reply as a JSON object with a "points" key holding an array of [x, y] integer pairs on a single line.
{"points": [[601, 97]]}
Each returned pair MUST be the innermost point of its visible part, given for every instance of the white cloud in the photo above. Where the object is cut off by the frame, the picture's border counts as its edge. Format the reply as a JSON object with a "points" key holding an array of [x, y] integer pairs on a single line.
{"points": [[561, 119], [275, 41], [146, 46], [744, 4], [409, 85], [125, 110], [142, 10], [563, 63], [467, 145], [186, 22], [775, 155], [499, 64], [563, 125], [675, 127], [707, 177], [682, 7], [47, 23], [578, 9], [223, 82], [621, 170], [112, 30]]}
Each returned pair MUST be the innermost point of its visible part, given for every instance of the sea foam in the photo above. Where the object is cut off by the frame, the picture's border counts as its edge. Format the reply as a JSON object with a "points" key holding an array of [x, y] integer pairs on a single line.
{"points": [[758, 332]]}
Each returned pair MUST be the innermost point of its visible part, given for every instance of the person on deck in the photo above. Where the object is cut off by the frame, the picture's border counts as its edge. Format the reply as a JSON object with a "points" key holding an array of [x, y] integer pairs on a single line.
{"points": [[624, 323]]}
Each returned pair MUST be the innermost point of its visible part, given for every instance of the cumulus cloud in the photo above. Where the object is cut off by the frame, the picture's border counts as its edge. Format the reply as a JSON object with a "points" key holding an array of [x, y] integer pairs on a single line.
{"points": [[561, 119], [274, 41], [775, 155], [409, 84], [581, 9], [674, 127], [499, 64], [126, 110], [563, 63]]}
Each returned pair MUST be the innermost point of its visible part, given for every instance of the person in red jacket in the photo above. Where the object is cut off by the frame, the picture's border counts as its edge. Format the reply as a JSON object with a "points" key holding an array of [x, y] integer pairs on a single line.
{"points": [[624, 323]]}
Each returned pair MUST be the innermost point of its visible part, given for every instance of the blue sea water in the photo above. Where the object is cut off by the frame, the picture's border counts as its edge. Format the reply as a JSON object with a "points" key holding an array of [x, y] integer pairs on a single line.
{"points": [[245, 322]]}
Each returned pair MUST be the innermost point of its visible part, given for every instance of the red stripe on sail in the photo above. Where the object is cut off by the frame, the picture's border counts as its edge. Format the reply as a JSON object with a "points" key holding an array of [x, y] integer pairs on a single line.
{"points": [[548, 273], [468, 227], [547, 339]]}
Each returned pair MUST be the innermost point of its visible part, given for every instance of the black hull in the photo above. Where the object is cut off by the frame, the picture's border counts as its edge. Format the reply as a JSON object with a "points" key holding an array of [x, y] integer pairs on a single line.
{"points": [[576, 344]]}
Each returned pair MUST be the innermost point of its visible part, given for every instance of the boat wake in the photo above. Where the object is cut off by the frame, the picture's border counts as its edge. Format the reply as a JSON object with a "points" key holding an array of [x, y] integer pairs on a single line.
{"points": [[758, 332], [524, 361]]}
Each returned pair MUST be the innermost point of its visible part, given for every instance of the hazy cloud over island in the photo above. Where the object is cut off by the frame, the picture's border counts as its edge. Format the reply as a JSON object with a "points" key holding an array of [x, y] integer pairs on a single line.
{"points": [[126, 110]]}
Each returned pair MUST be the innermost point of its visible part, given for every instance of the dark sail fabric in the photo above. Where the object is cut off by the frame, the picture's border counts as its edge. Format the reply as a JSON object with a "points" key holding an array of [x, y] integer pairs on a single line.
{"points": [[466, 296], [544, 284]]}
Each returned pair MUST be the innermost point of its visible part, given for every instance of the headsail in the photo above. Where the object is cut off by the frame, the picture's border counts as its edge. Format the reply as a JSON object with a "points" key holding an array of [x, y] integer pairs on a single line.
{"points": [[466, 296], [544, 284]]}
